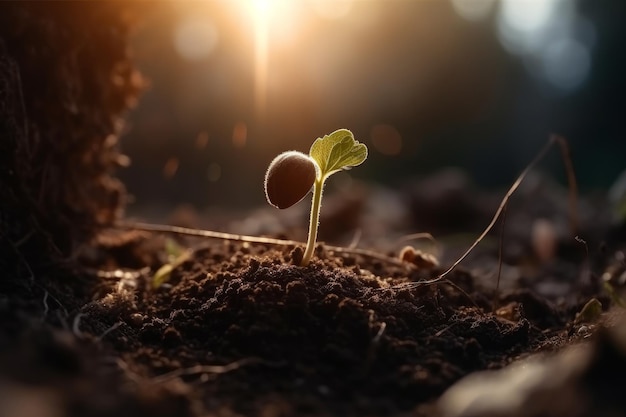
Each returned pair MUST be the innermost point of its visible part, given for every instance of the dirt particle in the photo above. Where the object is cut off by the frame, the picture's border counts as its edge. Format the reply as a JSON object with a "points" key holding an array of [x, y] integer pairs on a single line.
{"points": [[171, 336], [253, 266], [296, 293], [136, 319], [296, 255]]}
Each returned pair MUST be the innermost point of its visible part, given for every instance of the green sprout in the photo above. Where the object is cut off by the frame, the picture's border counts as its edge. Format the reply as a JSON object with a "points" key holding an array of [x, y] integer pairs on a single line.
{"points": [[176, 256], [291, 175], [590, 312]]}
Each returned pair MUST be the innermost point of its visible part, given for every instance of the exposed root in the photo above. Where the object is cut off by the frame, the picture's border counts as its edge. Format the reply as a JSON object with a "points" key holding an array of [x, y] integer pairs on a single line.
{"points": [[45, 305], [379, 333], [76, 326], [355, 239], [205, 369], [109, 330]]}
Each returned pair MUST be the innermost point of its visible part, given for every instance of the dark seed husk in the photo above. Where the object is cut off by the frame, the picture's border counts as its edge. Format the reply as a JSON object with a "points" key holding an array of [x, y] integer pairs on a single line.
{"points": [[289, 179]]}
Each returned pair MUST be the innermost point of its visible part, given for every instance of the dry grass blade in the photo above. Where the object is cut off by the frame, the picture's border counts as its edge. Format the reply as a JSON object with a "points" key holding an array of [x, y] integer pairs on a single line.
{"points": [[573, 199], [163, 228], [571, 181], [500, 245]]}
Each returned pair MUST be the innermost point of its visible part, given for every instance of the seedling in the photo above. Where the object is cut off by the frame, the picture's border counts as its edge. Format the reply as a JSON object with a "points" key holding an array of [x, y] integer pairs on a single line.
{"points": [[590, 313], [176, 255], [291, 175], [331, 154]]}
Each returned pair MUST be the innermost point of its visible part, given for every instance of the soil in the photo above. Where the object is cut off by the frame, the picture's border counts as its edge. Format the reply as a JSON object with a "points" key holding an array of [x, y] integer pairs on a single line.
{"points": [[239, 329]]}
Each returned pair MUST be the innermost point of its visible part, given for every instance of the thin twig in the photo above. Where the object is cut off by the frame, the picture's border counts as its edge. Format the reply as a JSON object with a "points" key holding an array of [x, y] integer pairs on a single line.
{"points": [[505, 200], [415, 236], [369, 254], [76, 326], [379, 333], [445, 329], [123, 366], [571, 180], [436, 248], [45, 305], [355, 239], [24, 239], [500, 245], [373, 347], [56, 300], [162, 228], [109, 330], [461, 290]]}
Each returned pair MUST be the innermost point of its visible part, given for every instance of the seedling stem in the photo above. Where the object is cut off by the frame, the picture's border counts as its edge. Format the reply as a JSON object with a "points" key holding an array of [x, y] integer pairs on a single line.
{"points": [[314, 220]]}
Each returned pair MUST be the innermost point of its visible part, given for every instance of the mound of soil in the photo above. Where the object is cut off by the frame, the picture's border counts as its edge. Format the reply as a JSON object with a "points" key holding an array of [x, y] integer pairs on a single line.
{"points": [[244, 330]]}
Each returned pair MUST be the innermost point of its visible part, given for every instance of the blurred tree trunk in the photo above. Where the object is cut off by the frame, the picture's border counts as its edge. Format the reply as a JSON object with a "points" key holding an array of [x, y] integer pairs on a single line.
{"points": [[65, 82]]}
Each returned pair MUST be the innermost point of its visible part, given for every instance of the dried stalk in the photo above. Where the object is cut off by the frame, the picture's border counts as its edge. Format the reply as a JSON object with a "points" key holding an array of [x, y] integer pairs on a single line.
{"points": [[162, 228]]}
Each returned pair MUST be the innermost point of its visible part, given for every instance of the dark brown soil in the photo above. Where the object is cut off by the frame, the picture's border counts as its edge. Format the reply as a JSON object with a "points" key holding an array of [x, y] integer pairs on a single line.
{"points": [[240, 329]]}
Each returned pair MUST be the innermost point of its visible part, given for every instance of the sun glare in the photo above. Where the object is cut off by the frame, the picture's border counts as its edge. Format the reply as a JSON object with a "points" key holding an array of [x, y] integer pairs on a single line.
{"points": [[262, 7], [279, 22], [265, 14], [261, 13]]}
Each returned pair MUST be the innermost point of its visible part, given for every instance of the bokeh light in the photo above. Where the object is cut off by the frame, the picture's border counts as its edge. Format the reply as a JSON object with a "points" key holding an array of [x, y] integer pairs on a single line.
{"points": [[550, 36], [386, 139], [171, 167], [240, 135], [478, 84], [214, 172], [195, 38], [473, 10], [523, 25], [202, 140], [566, 63]]}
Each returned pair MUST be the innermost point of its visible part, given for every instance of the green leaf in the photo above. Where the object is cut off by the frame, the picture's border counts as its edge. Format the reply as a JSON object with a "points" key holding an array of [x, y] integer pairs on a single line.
{"points": [[614, 295], [337, 151], [173, 249], [590, 312], [163, 274]]}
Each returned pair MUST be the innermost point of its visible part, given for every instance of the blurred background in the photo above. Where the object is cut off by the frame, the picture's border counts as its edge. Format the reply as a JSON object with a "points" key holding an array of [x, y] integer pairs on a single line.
{"points": [[426, 84]]}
